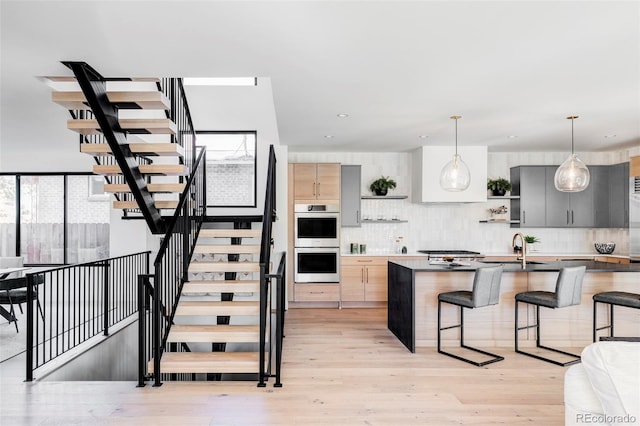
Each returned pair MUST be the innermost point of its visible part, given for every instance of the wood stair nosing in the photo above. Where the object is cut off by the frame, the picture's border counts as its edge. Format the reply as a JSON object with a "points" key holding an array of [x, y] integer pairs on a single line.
{"points": [[148, 169], [131, 125], [214, 333], [195, 267], [147, 149], [221, 286], [215, 308], [132, 204], [150, 100], [227, 248], [230, 233], [208, 362], [151, 187]]}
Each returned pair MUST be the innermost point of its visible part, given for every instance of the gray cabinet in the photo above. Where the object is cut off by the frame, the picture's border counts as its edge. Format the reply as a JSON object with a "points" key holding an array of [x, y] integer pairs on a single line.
{"points": [[604, 204], [569, 209], [618, 180], [350, 196], [528, 182]]}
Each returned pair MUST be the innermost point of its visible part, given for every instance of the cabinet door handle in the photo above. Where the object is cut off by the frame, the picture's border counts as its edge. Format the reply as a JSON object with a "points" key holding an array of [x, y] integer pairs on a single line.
{"points": [[524, 217], [314, 188], [357, 216], [572, 217], [362, 275], [318, 188], [568, 217], [367, 280]]}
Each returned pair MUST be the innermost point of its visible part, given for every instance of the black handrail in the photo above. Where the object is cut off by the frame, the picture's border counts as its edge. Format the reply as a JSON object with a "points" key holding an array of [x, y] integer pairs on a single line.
{"points": [[170, 271], [73, 303]]}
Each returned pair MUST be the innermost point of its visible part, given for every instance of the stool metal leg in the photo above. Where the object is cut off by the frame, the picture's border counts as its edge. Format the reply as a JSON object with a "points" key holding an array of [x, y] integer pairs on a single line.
{"points": [[538, 344], [604, 327], [495, 358]]}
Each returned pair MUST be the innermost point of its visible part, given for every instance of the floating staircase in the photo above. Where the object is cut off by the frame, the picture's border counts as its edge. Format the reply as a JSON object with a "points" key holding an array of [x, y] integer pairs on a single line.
{"points": [[219, 306], [143, 117]]}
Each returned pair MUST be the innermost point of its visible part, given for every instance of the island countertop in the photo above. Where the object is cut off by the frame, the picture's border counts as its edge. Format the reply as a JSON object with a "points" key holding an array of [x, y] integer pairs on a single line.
{"points": [[533, 266]]}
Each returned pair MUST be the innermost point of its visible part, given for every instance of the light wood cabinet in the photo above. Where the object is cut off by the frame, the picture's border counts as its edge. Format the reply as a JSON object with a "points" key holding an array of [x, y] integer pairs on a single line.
{"points": [[317, 181], [317, 293], [363, 279]]}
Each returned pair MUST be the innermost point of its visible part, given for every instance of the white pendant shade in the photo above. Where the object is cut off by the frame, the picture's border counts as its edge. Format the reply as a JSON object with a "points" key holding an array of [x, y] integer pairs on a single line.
{"points": [[572, 175], [455, 175]]}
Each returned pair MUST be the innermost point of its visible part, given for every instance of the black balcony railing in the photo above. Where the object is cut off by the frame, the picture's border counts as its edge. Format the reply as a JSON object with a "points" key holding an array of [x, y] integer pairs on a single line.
{"points": [[74, 303]]}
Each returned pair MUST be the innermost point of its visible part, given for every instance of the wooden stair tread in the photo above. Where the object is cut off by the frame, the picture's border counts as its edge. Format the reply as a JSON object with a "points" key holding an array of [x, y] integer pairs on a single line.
{"points": [[217, 308], [150, 169], [208, 362], [224, 267], [227, 248], [151, 187], [214, 333], [221, 286], [131, 125], [132, 204], [230, 233], [149, 149]]}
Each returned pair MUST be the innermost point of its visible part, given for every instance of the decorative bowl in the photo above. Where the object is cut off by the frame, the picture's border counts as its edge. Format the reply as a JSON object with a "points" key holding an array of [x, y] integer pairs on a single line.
{"points": [[605, 248]]}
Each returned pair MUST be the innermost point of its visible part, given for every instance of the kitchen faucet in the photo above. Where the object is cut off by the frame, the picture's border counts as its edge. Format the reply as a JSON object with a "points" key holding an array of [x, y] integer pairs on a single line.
{"points": [[523, 258]]}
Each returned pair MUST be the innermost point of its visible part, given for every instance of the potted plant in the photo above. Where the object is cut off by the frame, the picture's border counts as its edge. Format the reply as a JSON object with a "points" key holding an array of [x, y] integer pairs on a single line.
{"points": [[531, 240], [382, 185], [498, 186]]}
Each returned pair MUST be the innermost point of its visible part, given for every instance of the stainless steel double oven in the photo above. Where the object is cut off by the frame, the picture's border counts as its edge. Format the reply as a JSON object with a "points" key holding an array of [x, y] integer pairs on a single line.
{"points": [[317, 243]]}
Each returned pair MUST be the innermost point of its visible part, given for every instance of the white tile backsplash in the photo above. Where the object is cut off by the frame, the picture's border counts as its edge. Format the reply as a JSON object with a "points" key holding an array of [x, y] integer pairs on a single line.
{"points": [[456, 225]]}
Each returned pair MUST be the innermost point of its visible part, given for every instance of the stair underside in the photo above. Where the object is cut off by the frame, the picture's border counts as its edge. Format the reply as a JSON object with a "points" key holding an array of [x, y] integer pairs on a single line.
{"points": [[146, 149], [151, 187], [159, 204], [227, 248], [220, 286], [208, 362], [216, 308], [229, 233], [123, 100], [130, 125], [214, 333], [195, 267], [148, 169]]}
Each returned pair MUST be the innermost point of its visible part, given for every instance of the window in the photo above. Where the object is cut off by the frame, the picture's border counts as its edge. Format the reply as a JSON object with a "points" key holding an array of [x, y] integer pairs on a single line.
{"points": [[231, 168], [59, 219]]}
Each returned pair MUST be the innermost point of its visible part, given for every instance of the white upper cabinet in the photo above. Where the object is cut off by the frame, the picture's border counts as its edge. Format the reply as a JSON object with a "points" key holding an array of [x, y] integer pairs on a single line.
{"points": [[427, 163]]}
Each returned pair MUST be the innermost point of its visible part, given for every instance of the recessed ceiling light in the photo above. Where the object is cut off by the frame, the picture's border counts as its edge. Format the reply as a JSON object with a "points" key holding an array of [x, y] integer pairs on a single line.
{"points": [[343, 115], [513, 136], [609, 136], [423, 136], [328, 136]]}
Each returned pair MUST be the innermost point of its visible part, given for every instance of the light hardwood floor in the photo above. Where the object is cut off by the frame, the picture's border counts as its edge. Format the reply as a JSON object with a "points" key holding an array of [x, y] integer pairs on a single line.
{"points": [[340, 367]]}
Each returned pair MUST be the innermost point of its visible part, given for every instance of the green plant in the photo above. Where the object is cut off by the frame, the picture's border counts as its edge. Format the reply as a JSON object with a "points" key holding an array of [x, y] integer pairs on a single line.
{"points": [[382, 184], [530, 239], [499, 184]]}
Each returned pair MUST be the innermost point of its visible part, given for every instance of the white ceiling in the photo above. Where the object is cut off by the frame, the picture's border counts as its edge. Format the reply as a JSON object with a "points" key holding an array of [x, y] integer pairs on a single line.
{"points": [[513, 69]]}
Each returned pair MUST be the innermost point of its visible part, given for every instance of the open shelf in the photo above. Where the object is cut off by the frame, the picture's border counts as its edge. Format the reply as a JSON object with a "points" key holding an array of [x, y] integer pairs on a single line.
{"points": [[504, 197], [384, 197], [385, 221], [499, 221]]}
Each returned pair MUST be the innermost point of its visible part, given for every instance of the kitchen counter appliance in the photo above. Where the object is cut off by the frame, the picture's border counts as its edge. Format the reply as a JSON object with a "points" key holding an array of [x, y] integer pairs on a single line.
{"points": [[316, 243], [634, 218]]}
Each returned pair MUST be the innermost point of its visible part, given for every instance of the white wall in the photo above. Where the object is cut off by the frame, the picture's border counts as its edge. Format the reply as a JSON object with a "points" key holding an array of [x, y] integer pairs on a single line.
{"points": [[456, 226]]}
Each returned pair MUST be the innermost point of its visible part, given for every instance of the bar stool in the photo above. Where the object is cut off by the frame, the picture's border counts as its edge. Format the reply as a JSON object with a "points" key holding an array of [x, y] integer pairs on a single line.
{"points": [[568, 293], [613, 298], [486, 291]]}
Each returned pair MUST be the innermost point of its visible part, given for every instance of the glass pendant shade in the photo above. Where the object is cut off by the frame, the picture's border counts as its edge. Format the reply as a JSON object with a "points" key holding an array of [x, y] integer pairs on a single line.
{"points": [[455, 175], [572, 175]]}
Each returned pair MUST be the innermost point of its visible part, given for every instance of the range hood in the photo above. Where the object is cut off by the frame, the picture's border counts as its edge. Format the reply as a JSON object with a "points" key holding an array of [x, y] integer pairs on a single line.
{"points": [[428, 161]]}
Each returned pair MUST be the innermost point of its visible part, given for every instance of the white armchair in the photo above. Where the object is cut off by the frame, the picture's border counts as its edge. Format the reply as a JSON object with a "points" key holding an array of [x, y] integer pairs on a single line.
{"points": [[605, 388]]}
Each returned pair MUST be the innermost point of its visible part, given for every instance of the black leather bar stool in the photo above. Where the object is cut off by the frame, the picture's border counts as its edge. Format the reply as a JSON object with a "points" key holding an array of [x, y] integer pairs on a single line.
{"points": [[612, 298], [486, 291], [568, 293]]}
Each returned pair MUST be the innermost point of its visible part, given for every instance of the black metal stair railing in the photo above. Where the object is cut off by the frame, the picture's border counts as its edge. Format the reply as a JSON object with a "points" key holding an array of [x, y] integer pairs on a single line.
{"points": [[161, 290]]}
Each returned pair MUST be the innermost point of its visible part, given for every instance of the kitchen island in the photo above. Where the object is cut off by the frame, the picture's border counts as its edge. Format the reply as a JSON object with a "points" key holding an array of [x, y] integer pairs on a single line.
{"points": [[414, 286]]}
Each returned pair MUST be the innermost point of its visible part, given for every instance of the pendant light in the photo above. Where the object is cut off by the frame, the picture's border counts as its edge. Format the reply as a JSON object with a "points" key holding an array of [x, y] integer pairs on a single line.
{"points": [[455, 174], [572, 175]]}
